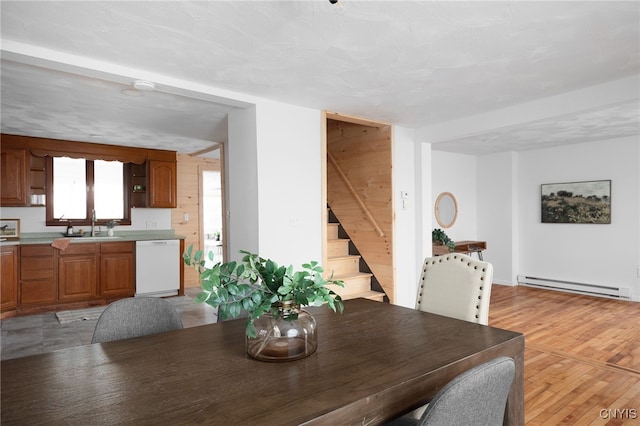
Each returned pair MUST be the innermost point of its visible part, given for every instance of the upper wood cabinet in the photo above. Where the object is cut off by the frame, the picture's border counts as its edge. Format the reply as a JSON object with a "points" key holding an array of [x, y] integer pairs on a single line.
{"points": [[14, 187], [162, 184], [152, 180]]}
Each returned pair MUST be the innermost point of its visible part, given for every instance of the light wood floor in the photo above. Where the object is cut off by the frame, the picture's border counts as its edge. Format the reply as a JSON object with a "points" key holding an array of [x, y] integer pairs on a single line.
{"points": [[582, 355]]}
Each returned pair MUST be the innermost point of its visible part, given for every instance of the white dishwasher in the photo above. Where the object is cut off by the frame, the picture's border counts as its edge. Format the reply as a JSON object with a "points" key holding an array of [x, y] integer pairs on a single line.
{"points": [[158, 268]]}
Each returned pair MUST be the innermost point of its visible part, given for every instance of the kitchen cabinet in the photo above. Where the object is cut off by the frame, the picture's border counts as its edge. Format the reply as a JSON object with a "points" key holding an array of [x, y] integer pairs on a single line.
{"points": [[83, 272], [162, 187], [153, 184], [78, 272], [14, 186], [153, 178], [138, 194], [37, 177], [38, 280], [9, 277], [117, 269]]}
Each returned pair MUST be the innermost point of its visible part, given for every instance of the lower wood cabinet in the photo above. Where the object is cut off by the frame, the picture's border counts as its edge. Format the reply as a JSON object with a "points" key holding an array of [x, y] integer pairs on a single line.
{"points": [[78, 272], [117, 269], [9, 277], [83, 272], [38, 277]]}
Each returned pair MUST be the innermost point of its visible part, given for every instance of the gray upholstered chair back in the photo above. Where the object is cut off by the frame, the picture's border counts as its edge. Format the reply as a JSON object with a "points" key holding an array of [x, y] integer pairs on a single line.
{"points": [[134, 317], [476, 397], [457, 286]]}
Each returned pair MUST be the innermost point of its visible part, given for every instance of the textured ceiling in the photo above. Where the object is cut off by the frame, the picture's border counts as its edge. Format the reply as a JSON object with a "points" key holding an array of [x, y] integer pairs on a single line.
{"points": [[415, 64]]}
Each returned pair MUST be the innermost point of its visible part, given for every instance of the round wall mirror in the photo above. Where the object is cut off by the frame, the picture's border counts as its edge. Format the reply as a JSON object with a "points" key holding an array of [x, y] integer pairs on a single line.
{"points": [[446, 209]]}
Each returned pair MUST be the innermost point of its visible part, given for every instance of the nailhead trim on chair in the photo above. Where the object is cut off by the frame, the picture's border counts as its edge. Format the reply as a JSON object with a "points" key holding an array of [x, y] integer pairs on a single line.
{"points": [[440, 259]]}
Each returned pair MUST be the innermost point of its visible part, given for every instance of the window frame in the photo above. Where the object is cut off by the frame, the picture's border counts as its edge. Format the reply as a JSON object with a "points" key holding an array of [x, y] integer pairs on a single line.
{"points": [[51, 221]]}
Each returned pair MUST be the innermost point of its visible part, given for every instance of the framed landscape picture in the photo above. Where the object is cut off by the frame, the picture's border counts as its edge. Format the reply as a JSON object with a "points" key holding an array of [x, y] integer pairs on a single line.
{"points": [[576, 202], [9, 229]]}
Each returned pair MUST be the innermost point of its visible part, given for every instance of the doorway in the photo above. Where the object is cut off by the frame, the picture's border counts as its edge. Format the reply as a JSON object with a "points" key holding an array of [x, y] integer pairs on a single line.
{"points": [[359, 190], [212, 218]]}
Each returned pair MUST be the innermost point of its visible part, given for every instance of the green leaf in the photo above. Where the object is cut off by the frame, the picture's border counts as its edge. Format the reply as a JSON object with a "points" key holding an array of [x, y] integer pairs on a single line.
{"points": [[250, 329], [234, 309], [202, 297], [285, 289], [256, 297], [232, 289], [247, 304]]}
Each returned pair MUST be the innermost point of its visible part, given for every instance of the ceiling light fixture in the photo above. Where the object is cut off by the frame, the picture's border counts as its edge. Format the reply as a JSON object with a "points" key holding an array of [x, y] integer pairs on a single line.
{"points": [[144, 85]]}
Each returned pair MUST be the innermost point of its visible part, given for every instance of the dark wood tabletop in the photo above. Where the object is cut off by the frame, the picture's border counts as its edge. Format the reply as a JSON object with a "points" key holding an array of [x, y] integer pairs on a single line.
{"points": [[374, 362]]}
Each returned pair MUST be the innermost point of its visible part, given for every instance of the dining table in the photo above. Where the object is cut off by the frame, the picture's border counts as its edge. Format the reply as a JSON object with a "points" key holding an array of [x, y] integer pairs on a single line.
{"points": [[374, 362]]}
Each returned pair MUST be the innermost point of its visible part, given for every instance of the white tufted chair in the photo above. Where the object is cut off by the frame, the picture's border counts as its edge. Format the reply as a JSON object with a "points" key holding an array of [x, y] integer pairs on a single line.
{"points": [[457, 286]]}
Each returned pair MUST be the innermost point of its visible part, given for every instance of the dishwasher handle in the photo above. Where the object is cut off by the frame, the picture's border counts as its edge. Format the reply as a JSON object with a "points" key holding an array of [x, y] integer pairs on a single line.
{"points": [[152, 243]]}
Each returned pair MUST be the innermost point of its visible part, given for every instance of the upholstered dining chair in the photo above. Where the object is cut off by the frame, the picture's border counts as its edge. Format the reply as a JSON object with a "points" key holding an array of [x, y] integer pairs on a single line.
{"points": [[457, 286], [134, 317], [476, 397]]}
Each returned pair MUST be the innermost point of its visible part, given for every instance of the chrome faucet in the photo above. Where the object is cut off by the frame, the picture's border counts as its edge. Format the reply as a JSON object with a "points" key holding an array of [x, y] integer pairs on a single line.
{"points": [[93, 222]]}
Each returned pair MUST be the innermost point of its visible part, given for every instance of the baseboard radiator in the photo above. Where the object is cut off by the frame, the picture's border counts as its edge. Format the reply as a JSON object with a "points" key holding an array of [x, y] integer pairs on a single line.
{"points": [[573, 287]]}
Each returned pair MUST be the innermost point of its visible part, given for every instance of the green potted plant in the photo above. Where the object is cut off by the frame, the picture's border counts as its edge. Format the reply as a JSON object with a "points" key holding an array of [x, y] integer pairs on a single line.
{"points": [[110, 225], [273, 297], [438, 236]]}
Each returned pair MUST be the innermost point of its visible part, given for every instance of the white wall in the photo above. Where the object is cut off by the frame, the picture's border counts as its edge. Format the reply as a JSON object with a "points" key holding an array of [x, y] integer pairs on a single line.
{"points": [[596, 254], [290, 182], [508, 213], [456, 173], [32, 219], [274, 179], [498, 213], [241, 178], [409, 229]]}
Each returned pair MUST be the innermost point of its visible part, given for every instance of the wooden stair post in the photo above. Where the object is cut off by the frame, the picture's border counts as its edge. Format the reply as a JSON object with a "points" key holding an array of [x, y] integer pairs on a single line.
{"points": [[346, 267]]}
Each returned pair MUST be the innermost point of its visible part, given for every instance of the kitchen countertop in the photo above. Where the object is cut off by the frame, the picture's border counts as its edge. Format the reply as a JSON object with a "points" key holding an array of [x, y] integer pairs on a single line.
{"points": [[48, 237]]}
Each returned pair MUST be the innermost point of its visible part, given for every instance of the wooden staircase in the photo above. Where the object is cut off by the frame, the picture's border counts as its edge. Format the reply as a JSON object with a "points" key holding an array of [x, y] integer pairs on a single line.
{"points": [[346, 267]]}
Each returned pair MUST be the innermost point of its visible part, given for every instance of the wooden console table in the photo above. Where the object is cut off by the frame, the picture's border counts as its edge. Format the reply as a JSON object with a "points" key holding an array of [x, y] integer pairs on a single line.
{"points": [[465, 246]]}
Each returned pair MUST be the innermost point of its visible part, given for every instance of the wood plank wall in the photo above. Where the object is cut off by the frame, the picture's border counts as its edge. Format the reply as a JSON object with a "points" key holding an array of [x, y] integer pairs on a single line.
{"points": [[364, 155], [188, 171]]}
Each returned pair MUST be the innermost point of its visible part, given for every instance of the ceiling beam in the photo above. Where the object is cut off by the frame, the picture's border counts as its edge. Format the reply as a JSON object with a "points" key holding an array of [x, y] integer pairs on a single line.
{"points": [[206, 150]]}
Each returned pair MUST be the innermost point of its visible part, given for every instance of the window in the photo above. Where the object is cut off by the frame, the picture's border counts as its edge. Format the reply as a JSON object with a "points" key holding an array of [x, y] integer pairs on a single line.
{"points": [[78, 186], [108, 190]]}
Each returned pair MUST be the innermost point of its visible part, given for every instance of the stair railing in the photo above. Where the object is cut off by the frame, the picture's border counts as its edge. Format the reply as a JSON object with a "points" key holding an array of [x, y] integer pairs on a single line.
{"points": [[355, 195]]}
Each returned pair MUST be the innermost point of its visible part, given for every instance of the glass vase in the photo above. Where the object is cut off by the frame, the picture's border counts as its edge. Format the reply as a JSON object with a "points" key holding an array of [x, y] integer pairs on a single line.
{"points": [[287, 334]]}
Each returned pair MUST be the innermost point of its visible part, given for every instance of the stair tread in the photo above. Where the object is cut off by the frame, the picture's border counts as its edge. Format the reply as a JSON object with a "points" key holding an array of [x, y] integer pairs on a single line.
{"points": [[357, 283], [362, 294], [343, 257], [354, 275]]}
